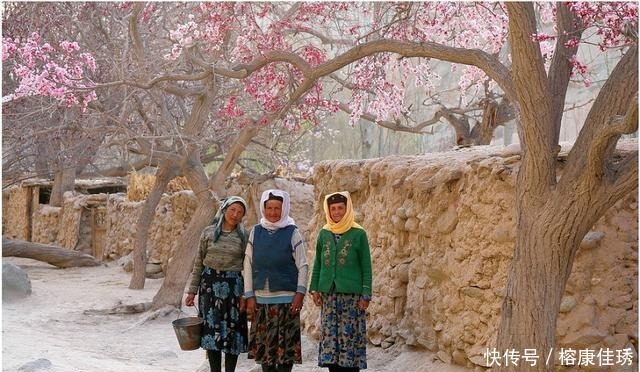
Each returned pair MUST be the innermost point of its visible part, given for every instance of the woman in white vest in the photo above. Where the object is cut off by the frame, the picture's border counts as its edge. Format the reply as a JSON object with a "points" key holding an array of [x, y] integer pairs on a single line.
{"points": [[275, 272]]}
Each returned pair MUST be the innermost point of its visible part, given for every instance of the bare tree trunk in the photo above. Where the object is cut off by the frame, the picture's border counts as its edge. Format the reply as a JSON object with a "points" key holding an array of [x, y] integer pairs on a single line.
{"points": [[541, 265], [164, 174], [64, 181], [50, 254]]}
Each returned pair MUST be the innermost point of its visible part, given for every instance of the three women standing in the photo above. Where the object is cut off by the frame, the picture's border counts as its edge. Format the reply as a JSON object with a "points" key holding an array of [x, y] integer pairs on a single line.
{"points": [[275, 279], [341, 285], [217, 279], [275, 269]]}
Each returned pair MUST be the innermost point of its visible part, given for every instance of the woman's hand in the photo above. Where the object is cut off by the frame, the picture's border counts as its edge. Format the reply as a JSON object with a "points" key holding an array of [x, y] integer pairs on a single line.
{"points": [[251, 305], [363, 304], [296, 305], [189, 301], [317, 299]]}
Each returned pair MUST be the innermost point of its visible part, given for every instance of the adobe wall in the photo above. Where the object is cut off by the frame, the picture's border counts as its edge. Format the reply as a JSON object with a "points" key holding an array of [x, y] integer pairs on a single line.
{"points": [[14, 213], [441, 230], [68, 226]]}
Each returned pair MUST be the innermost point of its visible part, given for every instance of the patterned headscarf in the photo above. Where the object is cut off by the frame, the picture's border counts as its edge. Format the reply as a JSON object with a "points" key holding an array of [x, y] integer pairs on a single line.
{"points": [[285, 220], [347, 221], [218, 220]]}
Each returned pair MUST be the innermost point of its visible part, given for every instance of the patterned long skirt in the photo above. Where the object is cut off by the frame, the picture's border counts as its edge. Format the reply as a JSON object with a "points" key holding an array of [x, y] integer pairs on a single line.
{"points": [[343, 332], [225, 328], [275, 335]]}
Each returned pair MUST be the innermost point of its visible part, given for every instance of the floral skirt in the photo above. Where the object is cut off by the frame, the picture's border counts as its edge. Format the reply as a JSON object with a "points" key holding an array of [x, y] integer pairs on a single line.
{"points": [[224, 328], [343, 332], [275, 335]]}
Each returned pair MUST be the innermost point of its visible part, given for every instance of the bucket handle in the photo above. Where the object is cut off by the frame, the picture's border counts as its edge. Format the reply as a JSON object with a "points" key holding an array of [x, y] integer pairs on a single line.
{"points": [[180, 310]]}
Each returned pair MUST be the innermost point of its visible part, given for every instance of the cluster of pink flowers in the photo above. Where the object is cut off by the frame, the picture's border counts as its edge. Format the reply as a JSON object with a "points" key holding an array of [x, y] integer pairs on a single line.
{"points": [[356, 104], [255, 29], [231, 109], [610, 18], [313, 55], [41, 69], [388, 101]]}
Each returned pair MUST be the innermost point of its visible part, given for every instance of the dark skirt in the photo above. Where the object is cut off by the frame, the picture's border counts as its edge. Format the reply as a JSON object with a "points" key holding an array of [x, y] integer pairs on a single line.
{"points": [[275, 336], [224, 328], [343, 332]]}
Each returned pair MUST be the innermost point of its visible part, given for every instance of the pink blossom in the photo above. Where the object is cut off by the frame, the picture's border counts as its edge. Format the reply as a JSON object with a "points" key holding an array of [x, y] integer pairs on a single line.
{"points": [[41, 69], [572, 43], [69, 47], [578, 66], [8, 48]]}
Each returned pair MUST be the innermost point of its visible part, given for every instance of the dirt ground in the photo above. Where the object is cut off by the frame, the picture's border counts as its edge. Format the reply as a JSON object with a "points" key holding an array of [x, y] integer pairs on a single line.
{"points": [[58, 323]]}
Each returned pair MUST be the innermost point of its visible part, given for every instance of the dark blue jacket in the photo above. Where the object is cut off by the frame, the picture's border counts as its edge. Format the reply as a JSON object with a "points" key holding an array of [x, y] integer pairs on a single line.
{"points": [[273, 259]]}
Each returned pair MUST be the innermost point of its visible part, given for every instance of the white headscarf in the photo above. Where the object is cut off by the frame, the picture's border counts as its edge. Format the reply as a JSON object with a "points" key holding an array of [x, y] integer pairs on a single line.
{"points": [[285, 220]]}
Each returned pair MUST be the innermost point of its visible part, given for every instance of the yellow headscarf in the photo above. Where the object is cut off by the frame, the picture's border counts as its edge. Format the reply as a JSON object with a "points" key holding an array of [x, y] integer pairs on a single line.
{"points": [[347, 221]]}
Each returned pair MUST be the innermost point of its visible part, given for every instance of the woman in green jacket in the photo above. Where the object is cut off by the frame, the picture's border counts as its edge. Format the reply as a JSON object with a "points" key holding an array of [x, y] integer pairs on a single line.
{"points": [[341, 285]]}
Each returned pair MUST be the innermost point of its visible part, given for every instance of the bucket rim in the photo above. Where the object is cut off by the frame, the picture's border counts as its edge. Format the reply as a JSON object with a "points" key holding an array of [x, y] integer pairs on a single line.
{"points": [[187, 321]]}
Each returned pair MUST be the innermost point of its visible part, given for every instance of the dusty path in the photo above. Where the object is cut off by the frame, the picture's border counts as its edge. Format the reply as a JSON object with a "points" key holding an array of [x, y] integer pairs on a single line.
{"points": [[51, 324]]}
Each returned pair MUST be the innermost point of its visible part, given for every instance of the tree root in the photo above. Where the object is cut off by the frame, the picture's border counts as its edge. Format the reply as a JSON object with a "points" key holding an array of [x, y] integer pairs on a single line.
{"points": [[161, 312], [121, 309]]}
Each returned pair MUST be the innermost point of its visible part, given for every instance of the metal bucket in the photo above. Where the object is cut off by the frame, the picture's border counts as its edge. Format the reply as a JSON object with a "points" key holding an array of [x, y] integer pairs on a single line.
{"points": [[188, 331]]}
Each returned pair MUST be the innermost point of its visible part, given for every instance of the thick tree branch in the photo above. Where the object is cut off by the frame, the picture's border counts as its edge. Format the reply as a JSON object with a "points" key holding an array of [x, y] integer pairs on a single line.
{"points": [[52, 254], [569, 26], [623, 176], [488, 63], [273, 57], [201, 109], [239, 145], [155, 81], [599, 152], [600, 132], [193, 171], [537, 174], [134, 33]]}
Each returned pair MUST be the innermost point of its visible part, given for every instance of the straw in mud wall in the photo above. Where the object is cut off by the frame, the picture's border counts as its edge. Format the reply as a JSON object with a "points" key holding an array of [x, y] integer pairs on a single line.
{"points": [[139, 185]]}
